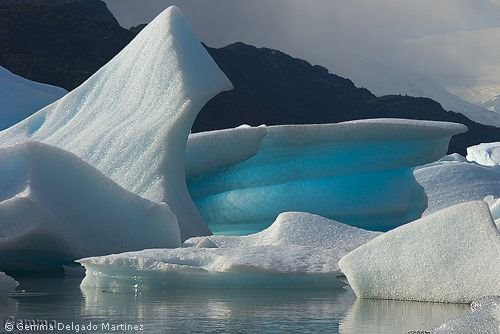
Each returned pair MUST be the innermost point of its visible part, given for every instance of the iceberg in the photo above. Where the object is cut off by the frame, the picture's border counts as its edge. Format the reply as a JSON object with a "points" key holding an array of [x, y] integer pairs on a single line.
{"points": [[358, 172], [298, 250], [483, 318], [56, 208], [20, 97], [132, 118], [448, 256], [7, 284], [486, 154], [453, 180]]}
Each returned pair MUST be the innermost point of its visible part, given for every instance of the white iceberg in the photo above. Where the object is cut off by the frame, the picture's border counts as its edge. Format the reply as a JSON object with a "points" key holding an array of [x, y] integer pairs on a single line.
{"points": [[449, 256], [453, 180], [483, 318], [7, 284], [357, 172], [20, 97], [55, 208], [486, 154], [298, 250], [132, 118]]}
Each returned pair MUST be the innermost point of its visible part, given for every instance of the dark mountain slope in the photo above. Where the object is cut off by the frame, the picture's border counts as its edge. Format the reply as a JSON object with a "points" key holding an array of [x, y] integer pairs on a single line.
{"points": [[273, 88], [63, 42], [59, 42]]}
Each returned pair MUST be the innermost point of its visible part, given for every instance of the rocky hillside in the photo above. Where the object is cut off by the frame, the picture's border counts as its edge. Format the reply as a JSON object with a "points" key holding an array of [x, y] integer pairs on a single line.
{"points": [[59, 42]]}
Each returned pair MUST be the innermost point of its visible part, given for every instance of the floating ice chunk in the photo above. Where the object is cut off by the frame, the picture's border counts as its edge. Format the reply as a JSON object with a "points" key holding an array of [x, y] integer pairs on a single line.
{"points": [[356, 172], [486, 154], [262, 266], [20, 97], [453, 180], [55, 208], [483, 318], [298, 250], [132, 118], [449, 256], [7, 284]]}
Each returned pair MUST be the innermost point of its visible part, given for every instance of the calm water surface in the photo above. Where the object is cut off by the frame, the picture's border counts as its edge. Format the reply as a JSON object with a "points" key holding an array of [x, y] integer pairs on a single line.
{"points": [[221, 310]]}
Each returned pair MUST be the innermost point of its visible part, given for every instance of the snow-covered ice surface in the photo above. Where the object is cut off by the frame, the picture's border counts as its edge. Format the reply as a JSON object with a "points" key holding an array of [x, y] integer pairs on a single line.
{"points": [[20, 97], [298, 229], [356, 172], [298, 250], [7, 284], [55, 208], [453, 180], [449, 256], [132, 118], [486, 154], [483, 318]]}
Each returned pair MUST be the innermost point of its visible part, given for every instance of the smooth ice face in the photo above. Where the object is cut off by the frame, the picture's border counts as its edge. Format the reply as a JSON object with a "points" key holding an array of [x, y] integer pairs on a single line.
{"points": [[298, 250], [132, 118], [356, 172], [483, 318], [453, 180], [486, 154], [449, 256], [7, 284], [55, 208], [20, 97]]}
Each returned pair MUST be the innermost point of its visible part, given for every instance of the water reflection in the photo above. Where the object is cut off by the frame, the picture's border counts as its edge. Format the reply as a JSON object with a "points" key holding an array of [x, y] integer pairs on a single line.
{"points": [[220, 310], [223, 310], [8, 307], [389, 316]]}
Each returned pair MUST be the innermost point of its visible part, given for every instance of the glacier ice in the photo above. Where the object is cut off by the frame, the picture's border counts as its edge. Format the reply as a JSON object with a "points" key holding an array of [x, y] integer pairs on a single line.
{"points": [[132, 118], [483, 318], [356, 172], [20, 97], [298, 250], [7, 284], [448, 256], [453, 180], [486, 154], [55, 208]]}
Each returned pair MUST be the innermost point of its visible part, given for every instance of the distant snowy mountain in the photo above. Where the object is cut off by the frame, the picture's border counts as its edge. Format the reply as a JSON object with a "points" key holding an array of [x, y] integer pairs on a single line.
{"points": [[20, 97], [493, 104], [382, 79]]}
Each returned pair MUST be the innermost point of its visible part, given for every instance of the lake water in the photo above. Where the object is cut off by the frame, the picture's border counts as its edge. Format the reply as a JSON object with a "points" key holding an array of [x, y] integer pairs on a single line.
{"points": [[60, 301]]}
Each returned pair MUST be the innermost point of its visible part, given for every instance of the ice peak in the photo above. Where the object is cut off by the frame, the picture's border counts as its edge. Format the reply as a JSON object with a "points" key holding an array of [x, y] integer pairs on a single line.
{"points": [[135, 111]]}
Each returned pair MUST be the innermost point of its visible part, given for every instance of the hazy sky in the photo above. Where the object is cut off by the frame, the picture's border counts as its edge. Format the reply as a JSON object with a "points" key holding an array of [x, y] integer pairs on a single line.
{"points": [[456, 42]]}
